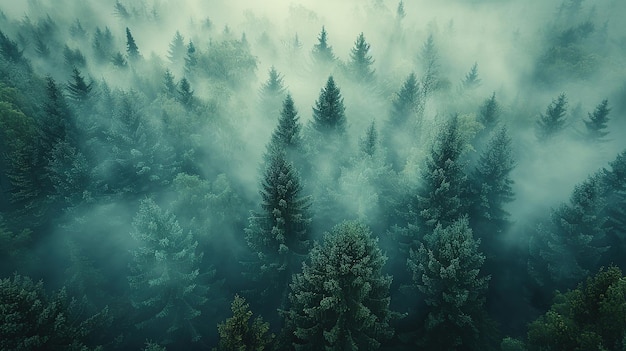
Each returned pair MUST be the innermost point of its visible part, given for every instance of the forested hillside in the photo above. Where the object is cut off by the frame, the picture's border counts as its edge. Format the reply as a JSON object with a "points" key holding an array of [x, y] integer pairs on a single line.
{"points": [[312, 175]]}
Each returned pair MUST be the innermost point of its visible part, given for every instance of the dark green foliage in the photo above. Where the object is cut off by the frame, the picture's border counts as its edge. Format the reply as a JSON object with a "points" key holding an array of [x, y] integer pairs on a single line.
{"points": [[406, 102], [118, 60], [340, 301], [168, 286], [9, 49], [322, 52], [13, 248], [131, 47], [440, 197], [360, 65], [597, 122], [553, 121], [238, 334], [170, 88], [185, 93], [229, 62], [615, 186], [69, 174], [329, 111], [286, 136], [430, 64], [32, 320], [103, 44], [79, 91], [446, 269], [471, 80], [177, 50], [74, 57], [278, 235], [489, 113], [569, 246], [369, 143], [191, 58], [590, 317]]}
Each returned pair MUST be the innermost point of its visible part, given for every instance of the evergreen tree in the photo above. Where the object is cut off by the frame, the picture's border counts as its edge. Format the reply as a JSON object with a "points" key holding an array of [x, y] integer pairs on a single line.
{"points": [[360, 65], [167, 284], [69, 174], [74, 57], [329, 111], [120, 10], [471, 80], [79, 91], [430, 64], [33, 320], [131, 47], [406, 102], [278, 235], [565, 249], [614, 180], [191, 59], [440, 198], [177, 49], [185, 94], [103, 44], [597, 123], [446, 269], [286, 136], [118, 60], [400, 13], [238, 334], [322, 52], [9, 49], [76, 30], [489, 113], [272, 93], [553, 121], [340, 301], [170, 88], [369, 143]]}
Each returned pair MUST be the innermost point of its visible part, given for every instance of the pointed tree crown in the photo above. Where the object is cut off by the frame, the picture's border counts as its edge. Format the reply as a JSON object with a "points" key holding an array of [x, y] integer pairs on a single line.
{"points": [[329, 111]]}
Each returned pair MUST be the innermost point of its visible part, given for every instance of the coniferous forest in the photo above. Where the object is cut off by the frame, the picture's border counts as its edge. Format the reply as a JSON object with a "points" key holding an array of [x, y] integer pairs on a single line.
{"points": [[312, 175]]}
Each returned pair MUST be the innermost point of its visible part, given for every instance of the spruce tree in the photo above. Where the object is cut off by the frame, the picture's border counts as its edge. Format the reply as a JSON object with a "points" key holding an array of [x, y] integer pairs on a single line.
{"points": [[191, 59], [286, 136], [440, 197], [177, 49], [447, 270], [340, 301], [278, 235], [169, 88], [596, 124], [237, 333], [360, 65], [553, 121], [79, 91], [9, 49], [322, 52], [131, 47], [185, 93], [471, 80], [400, 13], [103, 44], [168, 285], [406, 102], [489, 113], [430, 64], [369, 142], [272, 93], [614, 180], [329, 111]]}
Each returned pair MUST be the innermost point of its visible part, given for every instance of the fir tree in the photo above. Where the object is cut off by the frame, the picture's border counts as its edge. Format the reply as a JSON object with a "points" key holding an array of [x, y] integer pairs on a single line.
{"points": [[191, 59], [489, 113], [278, 235], [169, 88], [76, 30], [446, 269], [286, 136], [118, 60], [440, 198], [369, 143], [471, 80], [614, 180], [322, 52], [9, 49], [79, 91], [131, 47], [597, 123], [74, 57], [185, 93], [167, 284], [120, 10], [406, 102], [340, 301], [400, 13], [103, 44], [430, 65], [329, 111], [553, 121], [273, 87], [238, 334], [360, 65], [177, 49]]}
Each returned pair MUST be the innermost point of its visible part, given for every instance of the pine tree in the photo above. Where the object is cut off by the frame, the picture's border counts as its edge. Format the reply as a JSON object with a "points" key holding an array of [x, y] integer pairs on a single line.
{"points": [[278, 235], [79, 91], [447, 270], [360, 65], [553, 121], [238, 334], [272, 93], [406, 102], [177, 49], [369, 143], [471, 80], [322, 52], [74, 57], [103, 44], [340, 301], [597, 123], [440, 198], [131, 48], [69, 173], [430, 64], [329, 111], [118, 60], [191, 59], [489, 113], [166, 281], [120, 10], [9, 49], [286, 136], [185, 93], [170, 88]]}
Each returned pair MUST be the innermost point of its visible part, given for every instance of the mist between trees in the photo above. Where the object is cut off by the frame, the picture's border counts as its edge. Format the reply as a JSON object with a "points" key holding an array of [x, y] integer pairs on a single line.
{"points": [[312, 175]]}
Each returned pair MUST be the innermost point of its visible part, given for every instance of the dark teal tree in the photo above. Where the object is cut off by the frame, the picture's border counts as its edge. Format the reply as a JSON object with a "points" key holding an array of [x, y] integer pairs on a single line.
{"points": [[340, 301], [287, 136], [614, 180], [329, 112], [597, 123], [78, 89], [185, 93], [169, 86], [191, 59], [447, 270], [131, 47], [471, 80], [553, 121], [102, 44], [272, 93], [429, 60], [322, 52], [168, 283], [240, 333], [489, 113], [369, 142], [360, 65], [177, 49]]}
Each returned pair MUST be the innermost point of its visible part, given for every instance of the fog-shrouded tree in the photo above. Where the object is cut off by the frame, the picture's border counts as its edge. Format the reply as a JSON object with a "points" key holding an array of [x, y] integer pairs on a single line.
{"points": [[240, 333], [614, 180], [278, 235], [102, 44], [185, 93], [191, 58], [329, 112], [489, 114], [359, 67], [177, 49], [400, 12], [272, 93], [447, 270], [9, 49], [340, 301], [78, 89], [169, 86], [550, 123], [597, 122], [440, 197], [322, 52], [169, 285], [74, 57], [286, 135], [569, 245], [471, 80], [590, 317], [369, 142], [33, 320], [131, 47], [118, 60], [429, 60]]}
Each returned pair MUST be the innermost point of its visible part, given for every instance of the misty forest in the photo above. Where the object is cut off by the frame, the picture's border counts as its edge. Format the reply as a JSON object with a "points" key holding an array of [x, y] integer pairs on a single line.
{"points": [[312, 175]]}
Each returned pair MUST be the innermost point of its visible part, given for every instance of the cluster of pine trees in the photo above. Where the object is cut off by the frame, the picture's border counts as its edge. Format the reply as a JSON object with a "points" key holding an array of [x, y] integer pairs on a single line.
{"points": [[128, 219]]}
